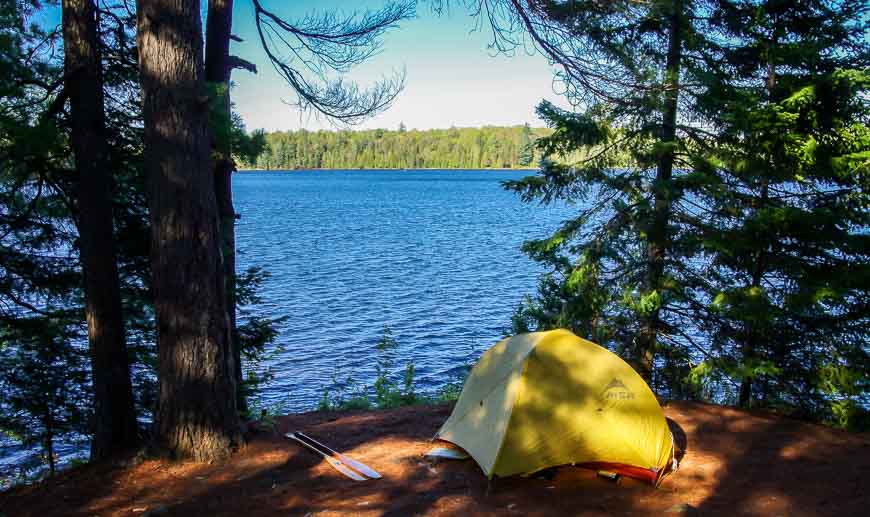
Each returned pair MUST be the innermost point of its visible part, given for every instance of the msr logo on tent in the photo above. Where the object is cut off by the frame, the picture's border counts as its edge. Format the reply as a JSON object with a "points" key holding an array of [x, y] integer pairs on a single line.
{"points": [[616, 390]]}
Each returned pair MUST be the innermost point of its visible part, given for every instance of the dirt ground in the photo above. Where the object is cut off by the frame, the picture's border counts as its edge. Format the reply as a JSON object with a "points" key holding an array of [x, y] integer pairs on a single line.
{"points": [[734, 463]]}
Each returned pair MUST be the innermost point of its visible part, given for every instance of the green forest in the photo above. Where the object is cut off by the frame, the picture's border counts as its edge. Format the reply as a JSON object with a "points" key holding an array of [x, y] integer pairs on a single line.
{"points": [[454, 148]]}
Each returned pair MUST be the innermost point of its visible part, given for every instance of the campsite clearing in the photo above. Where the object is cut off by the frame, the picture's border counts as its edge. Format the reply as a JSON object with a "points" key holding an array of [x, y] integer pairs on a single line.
{"points": [[735, 463]]}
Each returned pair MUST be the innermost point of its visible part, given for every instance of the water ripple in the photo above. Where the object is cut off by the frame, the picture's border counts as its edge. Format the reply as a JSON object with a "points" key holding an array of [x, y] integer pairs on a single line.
{"points": [[434, 254]]}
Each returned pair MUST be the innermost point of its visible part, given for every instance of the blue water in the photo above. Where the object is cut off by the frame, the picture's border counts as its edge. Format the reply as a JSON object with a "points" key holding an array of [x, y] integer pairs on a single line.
{"points": [[434, 254]]}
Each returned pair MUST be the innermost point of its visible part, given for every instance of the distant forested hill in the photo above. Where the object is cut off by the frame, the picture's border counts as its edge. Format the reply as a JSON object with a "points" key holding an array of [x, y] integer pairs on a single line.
{"points": [[460, 148]]}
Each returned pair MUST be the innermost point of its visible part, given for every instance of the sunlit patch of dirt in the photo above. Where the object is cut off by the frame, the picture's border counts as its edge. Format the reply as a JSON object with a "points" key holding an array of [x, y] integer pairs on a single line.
{"points": [[734, 463]]}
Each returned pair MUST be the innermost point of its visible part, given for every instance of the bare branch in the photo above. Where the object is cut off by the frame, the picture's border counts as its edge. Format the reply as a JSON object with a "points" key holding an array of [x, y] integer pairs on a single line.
{"points": [[594, 67], [316, 47], [234, 62]]}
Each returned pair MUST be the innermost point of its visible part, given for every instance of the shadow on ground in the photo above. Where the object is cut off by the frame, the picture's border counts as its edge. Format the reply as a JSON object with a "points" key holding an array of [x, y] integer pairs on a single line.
{"points": [[733, 463]]}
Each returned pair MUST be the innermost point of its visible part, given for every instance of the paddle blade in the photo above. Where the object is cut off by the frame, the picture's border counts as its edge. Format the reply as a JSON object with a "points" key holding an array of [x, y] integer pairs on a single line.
{"points": [[341, 467], [357, 465], [333, 462], [362, 467]]}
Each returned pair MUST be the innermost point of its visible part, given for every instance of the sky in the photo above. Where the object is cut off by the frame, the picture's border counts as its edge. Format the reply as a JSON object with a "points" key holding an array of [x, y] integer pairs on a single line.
{"points": [[453, 79]]}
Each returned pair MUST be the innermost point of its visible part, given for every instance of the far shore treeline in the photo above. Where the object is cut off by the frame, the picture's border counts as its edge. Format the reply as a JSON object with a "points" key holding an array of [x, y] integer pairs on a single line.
{"points": [[454, 148]]}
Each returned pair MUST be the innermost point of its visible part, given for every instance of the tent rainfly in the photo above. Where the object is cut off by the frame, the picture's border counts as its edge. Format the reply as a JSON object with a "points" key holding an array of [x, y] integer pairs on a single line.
{"points": [[545, 399]]}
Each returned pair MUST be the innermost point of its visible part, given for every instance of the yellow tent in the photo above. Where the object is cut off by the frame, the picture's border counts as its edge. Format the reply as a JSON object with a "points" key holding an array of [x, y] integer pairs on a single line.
{"points": [[544, 399]]}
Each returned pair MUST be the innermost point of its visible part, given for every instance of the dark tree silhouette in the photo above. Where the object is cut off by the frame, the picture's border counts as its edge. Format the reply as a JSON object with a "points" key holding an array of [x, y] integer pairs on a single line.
{"points": [[318, 45], [196, 415], [620, 62], [114, 423], [219, 65]]}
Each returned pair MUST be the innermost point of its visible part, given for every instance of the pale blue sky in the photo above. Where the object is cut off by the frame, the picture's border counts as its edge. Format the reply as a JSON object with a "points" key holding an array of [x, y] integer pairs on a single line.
{"points": [[453, 79]]}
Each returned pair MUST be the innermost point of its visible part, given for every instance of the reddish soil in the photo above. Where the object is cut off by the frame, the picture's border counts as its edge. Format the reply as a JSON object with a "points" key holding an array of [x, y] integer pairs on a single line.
{"points": [[734, 463]]}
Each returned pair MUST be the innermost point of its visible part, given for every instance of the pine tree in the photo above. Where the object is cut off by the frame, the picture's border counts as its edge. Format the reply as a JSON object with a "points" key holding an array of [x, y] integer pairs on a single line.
{"points": [[613, 266], [765, 248], [785, 222], [43, 374], [45, 378]]}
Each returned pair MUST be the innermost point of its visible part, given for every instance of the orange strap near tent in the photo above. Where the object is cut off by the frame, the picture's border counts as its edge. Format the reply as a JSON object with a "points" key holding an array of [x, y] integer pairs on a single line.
{"points": [[639, 473]]}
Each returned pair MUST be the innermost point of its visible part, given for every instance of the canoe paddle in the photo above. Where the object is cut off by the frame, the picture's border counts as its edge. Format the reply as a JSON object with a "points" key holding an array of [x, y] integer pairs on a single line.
{"points": [[335, 463], [350, 462]]}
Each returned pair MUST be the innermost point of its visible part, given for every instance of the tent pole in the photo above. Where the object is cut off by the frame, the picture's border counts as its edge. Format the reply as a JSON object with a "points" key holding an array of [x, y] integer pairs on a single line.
{"points": [[490, 484]]}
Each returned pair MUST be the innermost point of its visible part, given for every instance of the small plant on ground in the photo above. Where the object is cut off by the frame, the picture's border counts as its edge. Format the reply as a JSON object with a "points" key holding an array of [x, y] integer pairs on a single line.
{"points": [[264, 414], [390, 389], [343, 395], [385, 392], [448, 393], [388, 392]]}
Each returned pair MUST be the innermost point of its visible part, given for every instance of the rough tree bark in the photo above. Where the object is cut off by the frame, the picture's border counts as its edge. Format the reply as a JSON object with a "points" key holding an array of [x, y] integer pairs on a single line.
{"points": [[196, 415], [217, 72], [657, 245], [114, 420]]}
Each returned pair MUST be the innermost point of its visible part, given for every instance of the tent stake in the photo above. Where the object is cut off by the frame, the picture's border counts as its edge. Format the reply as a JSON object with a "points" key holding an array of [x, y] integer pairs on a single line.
{"points": [[490, 484]]}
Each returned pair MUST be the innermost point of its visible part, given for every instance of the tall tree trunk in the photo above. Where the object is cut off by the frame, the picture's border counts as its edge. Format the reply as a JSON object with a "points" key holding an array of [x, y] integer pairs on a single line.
{"points": [[659, 239], [48, 441], [196, 414], [750, 344], [114, 421], [217, 73]]}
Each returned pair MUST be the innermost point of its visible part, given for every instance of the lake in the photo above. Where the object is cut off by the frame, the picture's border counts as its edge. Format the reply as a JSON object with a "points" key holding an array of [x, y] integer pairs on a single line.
{"points": [[434, 254]]}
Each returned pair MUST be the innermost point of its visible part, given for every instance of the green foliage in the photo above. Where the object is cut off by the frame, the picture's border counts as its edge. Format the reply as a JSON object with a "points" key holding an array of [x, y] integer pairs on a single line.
{"points": [[78, 462], [449, 392], [454, 148], [708, 380], [763, 297], [390, 389], [596, 262], [220, 123], [784, 214], [228, 130], [610, 269], [344, 395], [256, 336], [264, 415], [386, 391], [44, 392], [246, 147], [44, 378]]}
